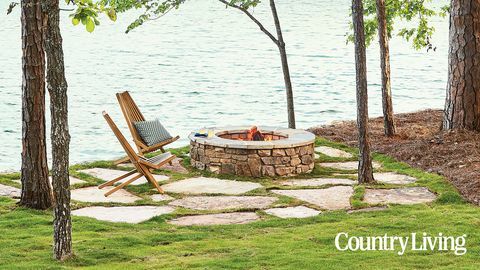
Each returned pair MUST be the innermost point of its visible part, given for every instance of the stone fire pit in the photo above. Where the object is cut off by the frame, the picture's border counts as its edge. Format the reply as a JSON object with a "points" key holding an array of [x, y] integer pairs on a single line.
{"points": [[287, 152]]}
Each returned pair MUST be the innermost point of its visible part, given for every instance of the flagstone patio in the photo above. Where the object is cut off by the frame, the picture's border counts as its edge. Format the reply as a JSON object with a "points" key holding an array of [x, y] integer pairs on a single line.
{"points": [[215, 194]]}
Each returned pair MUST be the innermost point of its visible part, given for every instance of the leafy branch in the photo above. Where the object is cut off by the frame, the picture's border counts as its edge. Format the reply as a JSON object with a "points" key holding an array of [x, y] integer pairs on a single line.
{"points": [[409, 10], [87, 12]]}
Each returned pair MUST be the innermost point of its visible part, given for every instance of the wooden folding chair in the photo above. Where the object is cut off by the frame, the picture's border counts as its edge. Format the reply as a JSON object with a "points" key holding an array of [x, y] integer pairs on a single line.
{"points": [[143, 166], [132, 114]]}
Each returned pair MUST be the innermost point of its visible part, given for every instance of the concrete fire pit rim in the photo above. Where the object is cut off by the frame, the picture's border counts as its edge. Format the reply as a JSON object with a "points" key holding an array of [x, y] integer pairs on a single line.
{"points": [[296, 137]]}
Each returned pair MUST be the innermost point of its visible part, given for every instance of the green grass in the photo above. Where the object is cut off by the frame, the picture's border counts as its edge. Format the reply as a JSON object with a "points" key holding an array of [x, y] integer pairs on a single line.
{"points": [[273, 243]]}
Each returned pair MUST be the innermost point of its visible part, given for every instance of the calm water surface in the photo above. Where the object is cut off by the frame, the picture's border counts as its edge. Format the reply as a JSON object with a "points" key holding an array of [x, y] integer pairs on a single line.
{"points": [[205, 65]]}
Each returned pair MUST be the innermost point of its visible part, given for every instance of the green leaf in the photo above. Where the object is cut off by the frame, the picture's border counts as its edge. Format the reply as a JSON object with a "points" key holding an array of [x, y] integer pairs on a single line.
{"points": [[75, 21], [90, 25], [112, 14]]}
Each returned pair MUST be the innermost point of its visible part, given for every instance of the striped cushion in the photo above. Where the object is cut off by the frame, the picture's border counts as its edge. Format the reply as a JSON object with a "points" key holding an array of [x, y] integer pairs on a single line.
{"points": [[152, 132]]}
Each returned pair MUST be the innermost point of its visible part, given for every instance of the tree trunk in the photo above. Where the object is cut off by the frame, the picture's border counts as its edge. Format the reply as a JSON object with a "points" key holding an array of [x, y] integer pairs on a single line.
{"points": [[57, 87], [388, 121], [286, 71], [36, 191], [365, 170], [462, 106]]}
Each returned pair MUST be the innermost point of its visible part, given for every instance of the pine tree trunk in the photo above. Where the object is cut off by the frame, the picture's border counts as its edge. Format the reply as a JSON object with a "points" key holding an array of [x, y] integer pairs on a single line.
{"points": [[36, 191], [462, 106], [365, 170], [286, 71], [388, 120], [57, 87]]}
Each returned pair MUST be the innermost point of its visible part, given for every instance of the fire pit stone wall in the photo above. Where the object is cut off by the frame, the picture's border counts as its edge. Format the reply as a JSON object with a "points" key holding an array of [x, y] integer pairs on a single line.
{"points": [[289, 153]]}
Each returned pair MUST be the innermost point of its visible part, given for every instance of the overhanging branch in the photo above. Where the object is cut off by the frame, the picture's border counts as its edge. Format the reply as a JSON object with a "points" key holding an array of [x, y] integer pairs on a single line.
{"points": [[262, 28]]}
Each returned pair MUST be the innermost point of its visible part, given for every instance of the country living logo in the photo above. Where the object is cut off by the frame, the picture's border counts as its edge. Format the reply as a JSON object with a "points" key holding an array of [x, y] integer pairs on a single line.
{"points": [[425, 242]]}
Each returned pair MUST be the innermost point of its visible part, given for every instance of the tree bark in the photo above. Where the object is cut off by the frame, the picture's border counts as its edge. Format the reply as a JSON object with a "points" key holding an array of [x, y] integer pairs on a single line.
{"points": [[462, 105], [388, 120], [36, 191], [285, 69], [57, 87], [365, 170]]}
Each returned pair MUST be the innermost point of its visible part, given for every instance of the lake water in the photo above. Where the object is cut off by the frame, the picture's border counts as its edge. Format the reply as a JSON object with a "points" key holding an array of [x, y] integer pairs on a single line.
{"points": [[204, 65]]}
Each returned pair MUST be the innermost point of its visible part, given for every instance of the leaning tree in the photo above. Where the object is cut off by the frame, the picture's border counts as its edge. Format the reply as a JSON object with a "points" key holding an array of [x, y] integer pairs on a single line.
{"points": [[157, 8], [278, 41], [365, 168], [462, 106]]}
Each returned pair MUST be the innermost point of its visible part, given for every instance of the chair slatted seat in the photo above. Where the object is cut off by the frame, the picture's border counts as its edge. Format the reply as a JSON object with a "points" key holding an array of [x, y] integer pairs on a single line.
{"points": [[132, 114], [143, 166], [157, 159]]}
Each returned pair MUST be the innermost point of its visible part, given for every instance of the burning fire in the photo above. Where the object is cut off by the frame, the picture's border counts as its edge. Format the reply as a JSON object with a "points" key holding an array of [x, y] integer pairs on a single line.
{"points": [[255, 135]]}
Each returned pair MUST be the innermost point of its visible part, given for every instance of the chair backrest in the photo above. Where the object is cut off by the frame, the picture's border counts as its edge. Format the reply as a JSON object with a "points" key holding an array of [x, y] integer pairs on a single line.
{"points": [[131, 112], [126, 146]]}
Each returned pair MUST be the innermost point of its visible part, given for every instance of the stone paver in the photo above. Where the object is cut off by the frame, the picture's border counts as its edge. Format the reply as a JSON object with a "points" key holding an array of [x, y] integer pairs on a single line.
{"points": [[333, 152], [332, 198], [293, 212], [387, 177], [109, 174], [313, 182], [316, 156], [224, 202], [216, 219], [93, 194], [368, 209], [408, 195], [161, 197], [200, 185], [393, 178], [128, 214], [349, 165], [9, 191], [176, 166]]}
